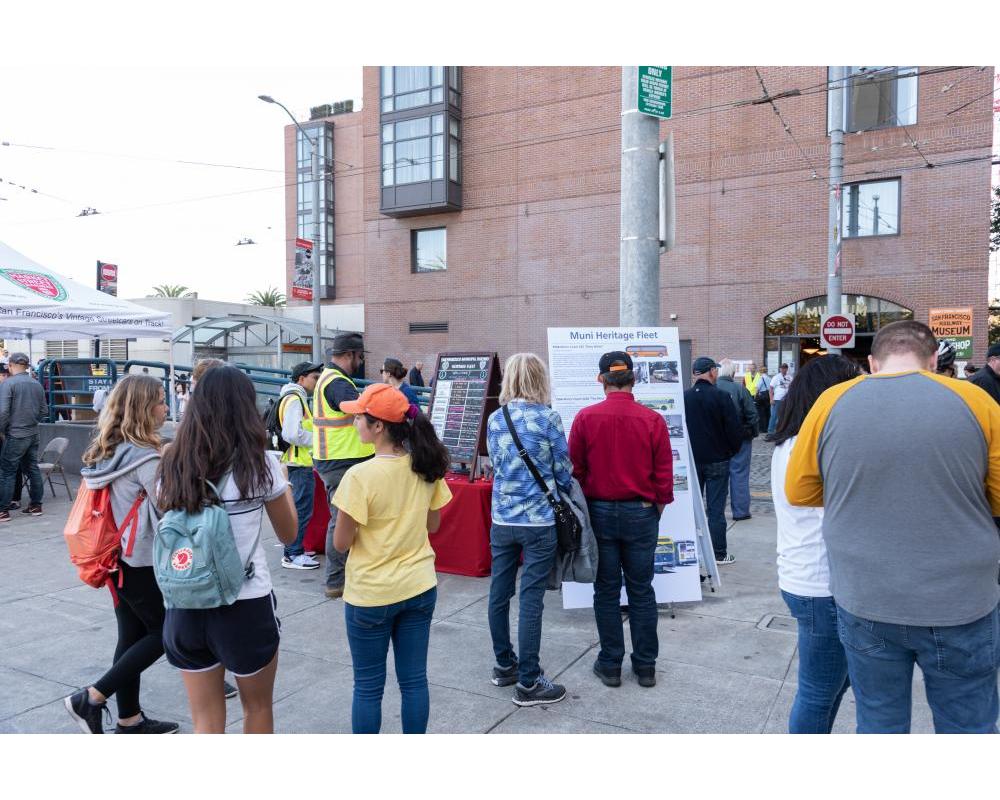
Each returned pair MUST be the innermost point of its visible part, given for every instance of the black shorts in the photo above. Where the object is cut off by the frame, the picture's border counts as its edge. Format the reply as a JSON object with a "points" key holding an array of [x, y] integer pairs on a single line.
{"points": [[242, 637]]}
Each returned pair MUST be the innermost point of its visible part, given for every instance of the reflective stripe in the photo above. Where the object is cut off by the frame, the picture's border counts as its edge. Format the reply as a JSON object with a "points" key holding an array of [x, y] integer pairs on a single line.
{"points": [[296, 454], [334, 423], [334, 436]]}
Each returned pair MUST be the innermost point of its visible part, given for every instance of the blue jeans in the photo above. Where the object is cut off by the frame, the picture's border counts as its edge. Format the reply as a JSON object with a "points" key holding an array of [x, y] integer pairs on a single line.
{"points": [[959, 663], [714, 482], [739, 480], [369, 630], [20, 454], [507, 544], [775, 410], [822, 664], [626, 534], [303, 492]]}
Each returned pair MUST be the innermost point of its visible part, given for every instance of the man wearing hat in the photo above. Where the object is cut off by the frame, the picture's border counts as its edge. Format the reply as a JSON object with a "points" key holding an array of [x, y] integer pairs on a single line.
{"points": [[622, 458], [716, 436], [22, 407], [296, 422], [988, 377], [336, 444]]}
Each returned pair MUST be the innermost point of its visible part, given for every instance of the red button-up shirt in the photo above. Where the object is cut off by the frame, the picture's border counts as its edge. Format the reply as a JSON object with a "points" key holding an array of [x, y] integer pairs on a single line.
{"points": [[621, 451]]}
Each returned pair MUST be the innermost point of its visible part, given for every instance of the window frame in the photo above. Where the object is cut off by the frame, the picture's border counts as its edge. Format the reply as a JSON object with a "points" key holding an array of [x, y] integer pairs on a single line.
{"points": [[912, 72], [846, 187], [414, 261]]}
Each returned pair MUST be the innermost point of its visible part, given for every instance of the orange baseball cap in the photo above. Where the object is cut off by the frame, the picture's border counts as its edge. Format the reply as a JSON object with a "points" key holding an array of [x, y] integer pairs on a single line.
{"points": [[381, 401]]}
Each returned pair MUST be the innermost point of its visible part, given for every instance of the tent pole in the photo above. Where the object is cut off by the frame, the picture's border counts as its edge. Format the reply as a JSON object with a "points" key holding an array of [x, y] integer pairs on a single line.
{"points": [[173, 393]]}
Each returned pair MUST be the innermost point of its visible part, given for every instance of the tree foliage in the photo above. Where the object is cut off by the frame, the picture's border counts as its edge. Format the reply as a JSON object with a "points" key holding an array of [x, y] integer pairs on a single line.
{"points": [[168, 290], [268, 297]]}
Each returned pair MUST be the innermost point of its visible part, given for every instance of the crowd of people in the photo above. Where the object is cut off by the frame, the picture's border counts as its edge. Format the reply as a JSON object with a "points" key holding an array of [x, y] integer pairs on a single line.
{"points": [[887, 538]]}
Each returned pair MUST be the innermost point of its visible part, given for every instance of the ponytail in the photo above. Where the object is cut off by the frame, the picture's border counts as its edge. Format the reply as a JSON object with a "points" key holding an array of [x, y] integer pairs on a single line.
{"points": [[429, 458]]}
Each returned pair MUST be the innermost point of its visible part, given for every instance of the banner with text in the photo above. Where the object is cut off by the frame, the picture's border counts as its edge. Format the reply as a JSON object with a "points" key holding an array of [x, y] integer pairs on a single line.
{"points": [[955, 326], [573, 362]]}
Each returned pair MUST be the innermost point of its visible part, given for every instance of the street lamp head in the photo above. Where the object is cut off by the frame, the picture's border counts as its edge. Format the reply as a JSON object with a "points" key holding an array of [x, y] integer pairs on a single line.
{"points": [[266, 98]]}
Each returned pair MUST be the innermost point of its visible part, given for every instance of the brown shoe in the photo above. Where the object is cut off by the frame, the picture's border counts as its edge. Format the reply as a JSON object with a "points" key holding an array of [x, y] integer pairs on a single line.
{"points": [[333, 592]]}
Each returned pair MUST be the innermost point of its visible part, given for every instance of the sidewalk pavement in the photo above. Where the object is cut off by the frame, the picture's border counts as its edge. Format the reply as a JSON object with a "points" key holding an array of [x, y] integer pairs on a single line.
{"points": [[727, 664]]}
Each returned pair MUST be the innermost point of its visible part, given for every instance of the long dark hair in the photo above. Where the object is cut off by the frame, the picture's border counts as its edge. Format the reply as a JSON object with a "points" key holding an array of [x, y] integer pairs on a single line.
{"points": [[429, 458], [810, 382], [221, 431]]}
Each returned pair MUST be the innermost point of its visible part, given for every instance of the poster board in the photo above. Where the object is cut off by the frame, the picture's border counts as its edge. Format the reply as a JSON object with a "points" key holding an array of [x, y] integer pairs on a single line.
{"points": [[953, 325], [573, 358], [466, 392]]}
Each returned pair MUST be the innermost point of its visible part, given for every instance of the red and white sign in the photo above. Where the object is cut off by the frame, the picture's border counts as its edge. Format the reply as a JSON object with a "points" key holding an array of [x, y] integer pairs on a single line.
{"points": [[302, 280], [109, 272], [836, 330]]}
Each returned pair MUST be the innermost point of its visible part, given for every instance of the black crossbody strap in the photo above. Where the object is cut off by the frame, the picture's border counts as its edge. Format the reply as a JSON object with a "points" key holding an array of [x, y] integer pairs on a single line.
{"points": [[527, 460]]}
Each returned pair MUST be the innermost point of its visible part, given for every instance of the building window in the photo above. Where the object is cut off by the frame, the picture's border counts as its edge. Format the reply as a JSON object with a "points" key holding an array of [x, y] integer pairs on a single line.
{"points": [[429, 249], [322, 134], [410, 87], [413, 150], [878, 97], [871, 208]]}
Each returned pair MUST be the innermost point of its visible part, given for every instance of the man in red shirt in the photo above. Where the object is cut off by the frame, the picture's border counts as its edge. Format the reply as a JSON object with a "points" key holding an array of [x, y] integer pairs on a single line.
{"points": [[622, 457]]}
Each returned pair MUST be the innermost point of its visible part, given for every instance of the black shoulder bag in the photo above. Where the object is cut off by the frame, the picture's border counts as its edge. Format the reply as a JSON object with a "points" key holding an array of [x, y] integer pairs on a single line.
{"points": [[568, 529]]}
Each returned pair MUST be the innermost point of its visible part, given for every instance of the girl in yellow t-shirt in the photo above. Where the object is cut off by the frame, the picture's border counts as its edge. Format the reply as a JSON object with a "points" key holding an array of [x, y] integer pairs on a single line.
{"points": [[387, 506]]}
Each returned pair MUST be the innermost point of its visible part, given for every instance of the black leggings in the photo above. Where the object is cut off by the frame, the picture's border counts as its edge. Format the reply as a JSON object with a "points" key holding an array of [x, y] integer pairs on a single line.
{"points": [[140, 616]]}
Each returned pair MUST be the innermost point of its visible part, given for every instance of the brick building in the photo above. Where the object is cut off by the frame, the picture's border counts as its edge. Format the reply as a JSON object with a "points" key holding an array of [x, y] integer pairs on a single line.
{"points": [[471, 208]]}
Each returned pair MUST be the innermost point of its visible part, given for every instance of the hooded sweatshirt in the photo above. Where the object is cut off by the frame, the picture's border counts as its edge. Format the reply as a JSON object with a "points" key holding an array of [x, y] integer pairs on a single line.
{"points": [[130, 469], [291, 426]]}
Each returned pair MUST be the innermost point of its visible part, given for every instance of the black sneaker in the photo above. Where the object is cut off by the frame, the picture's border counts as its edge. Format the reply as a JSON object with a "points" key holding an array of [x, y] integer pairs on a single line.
{"points": [[35, 509], [148, 725], [86, 714], [543, 692], [504, 676], [14, 505], [608, 677], [230, 690], [646, 676]]}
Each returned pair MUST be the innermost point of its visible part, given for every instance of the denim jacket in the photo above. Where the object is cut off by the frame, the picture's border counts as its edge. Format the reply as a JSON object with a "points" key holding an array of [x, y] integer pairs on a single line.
{"points": [[517, 499]]}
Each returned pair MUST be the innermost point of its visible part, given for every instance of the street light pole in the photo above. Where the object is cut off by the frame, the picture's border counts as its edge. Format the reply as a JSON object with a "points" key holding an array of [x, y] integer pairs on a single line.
{"points": [[317, 321], [834, 272]]}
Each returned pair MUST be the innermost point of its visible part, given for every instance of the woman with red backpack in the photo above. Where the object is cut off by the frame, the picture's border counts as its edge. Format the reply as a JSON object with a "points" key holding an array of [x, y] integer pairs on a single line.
{"points": [[124, 457]]}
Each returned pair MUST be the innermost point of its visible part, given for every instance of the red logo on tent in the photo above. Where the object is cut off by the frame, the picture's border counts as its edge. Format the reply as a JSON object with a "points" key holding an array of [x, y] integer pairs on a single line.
{"points": [[37, 282]]}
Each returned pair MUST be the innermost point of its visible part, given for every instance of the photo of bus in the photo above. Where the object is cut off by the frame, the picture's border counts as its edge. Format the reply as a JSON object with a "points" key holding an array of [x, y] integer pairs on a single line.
{"points": [[680, 479], [687, 554], [665, 556], [675, 424], [646, 351]]}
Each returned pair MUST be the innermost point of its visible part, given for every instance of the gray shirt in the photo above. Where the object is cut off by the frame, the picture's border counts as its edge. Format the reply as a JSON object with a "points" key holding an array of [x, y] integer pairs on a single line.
{"points": [[22, 406]]}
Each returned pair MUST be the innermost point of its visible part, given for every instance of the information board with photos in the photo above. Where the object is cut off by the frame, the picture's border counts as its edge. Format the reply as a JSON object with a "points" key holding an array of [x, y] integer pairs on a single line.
{"points": [[466, 390], [574, 354]]}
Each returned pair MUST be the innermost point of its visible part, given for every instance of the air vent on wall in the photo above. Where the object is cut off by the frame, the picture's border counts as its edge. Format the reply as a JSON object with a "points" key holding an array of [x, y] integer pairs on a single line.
{"points": [[428, 327]]}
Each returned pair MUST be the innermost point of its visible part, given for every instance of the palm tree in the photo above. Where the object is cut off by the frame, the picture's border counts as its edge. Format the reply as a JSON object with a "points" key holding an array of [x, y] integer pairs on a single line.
{"points": [[167, 290], [269, 297]]}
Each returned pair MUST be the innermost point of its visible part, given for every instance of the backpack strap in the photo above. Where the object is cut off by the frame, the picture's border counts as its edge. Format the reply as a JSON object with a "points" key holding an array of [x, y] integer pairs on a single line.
{"points": [[131, 522], [248, 569], [528, 462]]}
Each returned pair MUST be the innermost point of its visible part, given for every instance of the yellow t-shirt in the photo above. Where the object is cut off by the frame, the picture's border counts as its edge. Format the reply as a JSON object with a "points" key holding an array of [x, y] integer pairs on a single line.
{"points": [[391, 559]]}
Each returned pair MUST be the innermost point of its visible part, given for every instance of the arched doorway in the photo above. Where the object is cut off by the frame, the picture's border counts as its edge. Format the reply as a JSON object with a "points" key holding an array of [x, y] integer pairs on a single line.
{"points": [[791, 334]]}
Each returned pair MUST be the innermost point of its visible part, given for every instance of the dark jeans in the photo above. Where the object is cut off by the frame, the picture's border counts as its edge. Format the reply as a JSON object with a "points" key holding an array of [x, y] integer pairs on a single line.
{"points": [[626, 542], [332, 472], [739, 480], [538, 546], [764, 412], [959, 663], [714, 482], [140, 617], [822, 664], [20, 454], [303, 492], [369, 630]]}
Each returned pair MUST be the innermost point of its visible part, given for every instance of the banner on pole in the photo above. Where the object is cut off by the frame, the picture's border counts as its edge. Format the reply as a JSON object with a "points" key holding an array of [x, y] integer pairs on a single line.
{"points": [[302, 283]]}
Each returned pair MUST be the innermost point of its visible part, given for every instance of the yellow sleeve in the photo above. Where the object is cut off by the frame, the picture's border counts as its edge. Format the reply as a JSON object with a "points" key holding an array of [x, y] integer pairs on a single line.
{"points": [[987, 413], [351, 496], [441, 496], [803, 480]]}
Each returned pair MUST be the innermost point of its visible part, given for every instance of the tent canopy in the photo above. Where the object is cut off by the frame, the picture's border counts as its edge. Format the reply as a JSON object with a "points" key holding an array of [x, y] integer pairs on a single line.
{"points": [[37, 303]]}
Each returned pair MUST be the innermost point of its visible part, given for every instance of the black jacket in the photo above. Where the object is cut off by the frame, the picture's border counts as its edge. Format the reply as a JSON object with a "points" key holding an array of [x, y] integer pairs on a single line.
{"points": [[987, 379], [712, 423], [744, 405], [416, 379]]}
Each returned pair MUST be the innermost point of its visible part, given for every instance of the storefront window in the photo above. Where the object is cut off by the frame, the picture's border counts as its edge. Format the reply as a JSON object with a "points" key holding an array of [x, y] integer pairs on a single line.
{"points": [[890, 312], [803, 318], [781, 321]]}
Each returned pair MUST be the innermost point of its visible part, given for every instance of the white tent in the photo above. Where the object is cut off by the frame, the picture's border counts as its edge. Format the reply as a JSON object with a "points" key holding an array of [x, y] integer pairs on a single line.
{"points": [[36, 303]]}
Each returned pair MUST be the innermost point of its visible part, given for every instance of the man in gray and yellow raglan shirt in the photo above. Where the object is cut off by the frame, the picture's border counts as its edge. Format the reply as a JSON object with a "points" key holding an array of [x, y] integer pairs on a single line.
{"points": [[906, 464]]}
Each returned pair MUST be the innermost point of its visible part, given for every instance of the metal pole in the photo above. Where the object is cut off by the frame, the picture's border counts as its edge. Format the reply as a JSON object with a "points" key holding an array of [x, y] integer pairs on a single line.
{"points": [[834, 276], [317, 348], [639, 268]]}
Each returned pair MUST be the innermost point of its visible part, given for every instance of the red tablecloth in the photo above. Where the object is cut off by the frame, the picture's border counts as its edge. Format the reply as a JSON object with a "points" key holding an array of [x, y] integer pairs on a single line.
{"points": [[462, 544]]}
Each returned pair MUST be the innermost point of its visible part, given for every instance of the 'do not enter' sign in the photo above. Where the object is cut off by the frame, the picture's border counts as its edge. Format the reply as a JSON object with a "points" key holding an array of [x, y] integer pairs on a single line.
{"points": [[836, 330]]}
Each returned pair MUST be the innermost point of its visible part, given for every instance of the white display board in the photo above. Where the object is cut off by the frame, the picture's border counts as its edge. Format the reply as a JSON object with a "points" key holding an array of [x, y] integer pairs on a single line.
{"points": [[574, 354]]}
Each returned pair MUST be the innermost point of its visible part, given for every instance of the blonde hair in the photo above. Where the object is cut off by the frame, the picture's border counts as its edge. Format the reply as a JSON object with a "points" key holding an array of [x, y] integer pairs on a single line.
{"points": [[203, 366], [127, 416], [525, 377]]}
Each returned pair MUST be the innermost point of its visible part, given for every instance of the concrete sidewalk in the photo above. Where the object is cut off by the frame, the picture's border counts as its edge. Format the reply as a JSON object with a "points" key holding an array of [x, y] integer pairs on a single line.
{"points": [[727, 664]]}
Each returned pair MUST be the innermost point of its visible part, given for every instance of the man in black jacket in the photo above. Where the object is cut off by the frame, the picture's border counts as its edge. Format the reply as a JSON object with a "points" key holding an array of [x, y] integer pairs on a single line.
{"points": [[22, 407], [988, 377], [716, 436], [739, 464]]}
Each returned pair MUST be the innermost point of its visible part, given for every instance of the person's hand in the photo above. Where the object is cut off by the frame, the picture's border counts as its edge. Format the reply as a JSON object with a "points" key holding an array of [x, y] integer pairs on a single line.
{"points": [[659, 509]]}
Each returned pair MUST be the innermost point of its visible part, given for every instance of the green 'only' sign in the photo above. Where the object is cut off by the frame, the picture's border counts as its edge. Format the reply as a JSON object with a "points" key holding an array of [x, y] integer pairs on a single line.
{"points": [[655, 89]]}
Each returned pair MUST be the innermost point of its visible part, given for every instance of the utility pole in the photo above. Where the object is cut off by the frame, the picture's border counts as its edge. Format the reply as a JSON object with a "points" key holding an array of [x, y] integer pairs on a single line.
{"points": [[639, 265], [834, 276]]}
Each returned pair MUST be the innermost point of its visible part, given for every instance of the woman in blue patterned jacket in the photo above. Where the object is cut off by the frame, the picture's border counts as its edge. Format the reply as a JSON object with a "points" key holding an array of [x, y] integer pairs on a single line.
{"points": [[523, 523]]}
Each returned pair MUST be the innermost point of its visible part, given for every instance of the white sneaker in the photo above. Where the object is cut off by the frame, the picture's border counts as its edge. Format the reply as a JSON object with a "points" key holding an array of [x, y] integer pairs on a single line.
{"points": [[299, 562], [725, 562], [310, 553]]}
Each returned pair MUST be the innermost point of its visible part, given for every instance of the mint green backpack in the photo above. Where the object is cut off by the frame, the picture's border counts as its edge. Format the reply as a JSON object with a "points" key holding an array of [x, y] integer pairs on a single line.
{"points": [[195, 559]]}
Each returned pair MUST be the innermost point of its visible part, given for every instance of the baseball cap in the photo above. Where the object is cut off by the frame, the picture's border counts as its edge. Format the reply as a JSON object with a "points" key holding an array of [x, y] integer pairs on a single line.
{"points": [[346, 343], [20, 358], [993, 352], [304, 368], [703, 365], [615, 363], [381, 401]]}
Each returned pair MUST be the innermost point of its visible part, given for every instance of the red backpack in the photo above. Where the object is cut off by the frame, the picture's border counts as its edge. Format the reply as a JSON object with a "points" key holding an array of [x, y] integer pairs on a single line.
{"points": [[93, 539]]}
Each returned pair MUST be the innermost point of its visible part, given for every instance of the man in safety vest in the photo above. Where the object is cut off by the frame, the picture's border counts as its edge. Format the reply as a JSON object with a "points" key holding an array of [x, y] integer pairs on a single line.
{"points": [[757, 384], [296, 421], [336, 444]]}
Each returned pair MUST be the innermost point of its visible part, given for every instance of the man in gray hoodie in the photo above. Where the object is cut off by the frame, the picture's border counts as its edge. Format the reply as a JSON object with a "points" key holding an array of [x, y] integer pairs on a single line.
{"points": [[22, 407]]}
